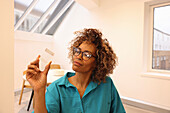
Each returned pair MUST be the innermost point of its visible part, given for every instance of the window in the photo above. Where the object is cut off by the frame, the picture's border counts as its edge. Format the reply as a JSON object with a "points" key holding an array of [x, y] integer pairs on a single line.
{"points": [[157, 62], [156, 46], [40, 16], [153, 65], [161, 26]]}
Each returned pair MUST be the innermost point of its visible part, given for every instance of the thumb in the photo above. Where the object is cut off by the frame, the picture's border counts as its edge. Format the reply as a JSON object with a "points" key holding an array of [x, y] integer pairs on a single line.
{"points": [[47, 67]]}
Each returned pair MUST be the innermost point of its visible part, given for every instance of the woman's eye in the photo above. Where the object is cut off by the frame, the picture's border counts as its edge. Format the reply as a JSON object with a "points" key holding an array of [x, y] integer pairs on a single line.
{"points": [[77, 51], [87, 55]]}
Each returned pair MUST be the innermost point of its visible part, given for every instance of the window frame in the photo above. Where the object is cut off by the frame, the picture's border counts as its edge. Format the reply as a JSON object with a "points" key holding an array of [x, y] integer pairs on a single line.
{"points": [[148, 41]]}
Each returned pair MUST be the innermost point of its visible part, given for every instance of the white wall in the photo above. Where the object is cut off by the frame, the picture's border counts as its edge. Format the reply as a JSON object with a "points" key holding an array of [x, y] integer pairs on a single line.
{"points": [[78, 18], [122, 23], [27, 47], [6, 49]]}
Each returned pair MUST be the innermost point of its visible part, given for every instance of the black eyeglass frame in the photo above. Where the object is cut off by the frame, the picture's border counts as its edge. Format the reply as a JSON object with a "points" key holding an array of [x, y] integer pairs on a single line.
{"points": [[91, 55]]}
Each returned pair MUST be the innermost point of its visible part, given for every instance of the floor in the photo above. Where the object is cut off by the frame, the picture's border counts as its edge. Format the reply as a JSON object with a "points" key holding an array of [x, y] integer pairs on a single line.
{"points": [[22, 108], [26, 96], [131, 109]]}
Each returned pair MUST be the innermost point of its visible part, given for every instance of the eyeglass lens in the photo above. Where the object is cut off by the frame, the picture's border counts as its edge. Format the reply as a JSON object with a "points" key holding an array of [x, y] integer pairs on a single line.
{"points": [[86, 55]]}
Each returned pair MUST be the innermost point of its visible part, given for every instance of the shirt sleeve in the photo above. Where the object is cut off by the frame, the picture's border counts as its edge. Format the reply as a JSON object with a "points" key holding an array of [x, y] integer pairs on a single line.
{"points": [[116, 104], [52, 100]]}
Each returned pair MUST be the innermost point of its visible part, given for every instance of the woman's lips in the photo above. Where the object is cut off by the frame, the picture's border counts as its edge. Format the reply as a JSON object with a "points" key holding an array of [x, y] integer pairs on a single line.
{"points": [[77, 63]]}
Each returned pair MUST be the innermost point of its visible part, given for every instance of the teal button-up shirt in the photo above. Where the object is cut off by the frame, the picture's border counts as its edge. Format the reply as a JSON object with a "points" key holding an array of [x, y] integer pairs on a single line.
{"points": [[63, 97]]}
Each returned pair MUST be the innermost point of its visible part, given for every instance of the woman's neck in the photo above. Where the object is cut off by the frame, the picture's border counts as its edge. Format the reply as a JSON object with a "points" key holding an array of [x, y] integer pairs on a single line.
{"points": [[81, 80]]}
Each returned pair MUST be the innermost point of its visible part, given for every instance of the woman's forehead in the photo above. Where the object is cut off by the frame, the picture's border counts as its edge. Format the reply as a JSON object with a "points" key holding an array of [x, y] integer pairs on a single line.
{"points": [[87, 46]]}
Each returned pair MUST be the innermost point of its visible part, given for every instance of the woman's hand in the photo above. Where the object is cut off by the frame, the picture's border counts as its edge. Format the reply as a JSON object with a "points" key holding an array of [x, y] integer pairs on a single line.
{"points": [[36, 77]]}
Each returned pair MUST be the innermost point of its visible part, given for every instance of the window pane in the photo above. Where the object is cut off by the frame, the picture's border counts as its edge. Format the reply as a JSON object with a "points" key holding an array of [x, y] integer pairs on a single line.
{"points": [[33, 16], [161, 38], [20, 7], [38, 8]]}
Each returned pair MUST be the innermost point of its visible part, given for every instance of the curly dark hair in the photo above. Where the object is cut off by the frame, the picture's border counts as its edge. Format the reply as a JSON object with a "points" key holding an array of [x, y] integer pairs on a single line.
{"points": [[106, 59]]}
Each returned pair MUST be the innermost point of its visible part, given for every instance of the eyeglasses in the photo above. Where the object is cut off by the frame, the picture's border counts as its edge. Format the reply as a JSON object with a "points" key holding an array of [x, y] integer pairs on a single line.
{"points": [[86, 55]]}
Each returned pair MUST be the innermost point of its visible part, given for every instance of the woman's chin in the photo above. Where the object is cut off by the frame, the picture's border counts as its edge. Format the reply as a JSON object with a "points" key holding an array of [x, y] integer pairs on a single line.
{"points": [[76, 68]]}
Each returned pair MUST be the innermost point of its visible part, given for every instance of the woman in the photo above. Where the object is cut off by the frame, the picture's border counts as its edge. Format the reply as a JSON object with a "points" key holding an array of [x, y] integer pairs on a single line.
{"points": [[89, 89]]}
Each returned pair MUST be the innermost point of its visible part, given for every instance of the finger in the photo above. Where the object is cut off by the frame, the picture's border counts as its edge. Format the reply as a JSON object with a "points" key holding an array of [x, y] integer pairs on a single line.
{"points": [[32, 72], [36, 62], [34, 67], [47, 67], [29, 74], [38, 57]]}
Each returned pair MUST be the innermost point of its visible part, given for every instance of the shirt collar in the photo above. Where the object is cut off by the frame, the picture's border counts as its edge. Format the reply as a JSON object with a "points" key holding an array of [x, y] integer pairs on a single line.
{"points": [[64, 81], [92, 85]]}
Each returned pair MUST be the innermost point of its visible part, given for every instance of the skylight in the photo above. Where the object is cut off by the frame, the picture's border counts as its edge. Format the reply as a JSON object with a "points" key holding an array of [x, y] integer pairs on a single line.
{"points": [[40, 16]]}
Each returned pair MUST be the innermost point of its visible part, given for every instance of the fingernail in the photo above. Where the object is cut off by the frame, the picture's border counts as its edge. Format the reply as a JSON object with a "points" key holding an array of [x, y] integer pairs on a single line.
{"points": [[38, 57]]}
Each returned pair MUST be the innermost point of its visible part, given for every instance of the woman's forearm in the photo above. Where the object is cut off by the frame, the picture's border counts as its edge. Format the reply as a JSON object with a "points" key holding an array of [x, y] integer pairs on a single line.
{"points": [[39, 98]]}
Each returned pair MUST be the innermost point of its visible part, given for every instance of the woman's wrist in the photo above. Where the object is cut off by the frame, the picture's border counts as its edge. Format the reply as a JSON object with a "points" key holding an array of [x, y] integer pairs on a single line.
{"points": [[39, 96], [40, 90]]}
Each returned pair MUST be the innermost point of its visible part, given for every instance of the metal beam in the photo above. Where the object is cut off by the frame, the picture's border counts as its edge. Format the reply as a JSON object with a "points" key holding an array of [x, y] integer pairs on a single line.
{"points": [[57, 24], [55, 3], [29, 9], [57, 16]]}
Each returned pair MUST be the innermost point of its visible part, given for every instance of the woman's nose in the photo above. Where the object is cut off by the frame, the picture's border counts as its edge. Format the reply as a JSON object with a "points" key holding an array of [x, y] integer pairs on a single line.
{"points": [[80, 56]]}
